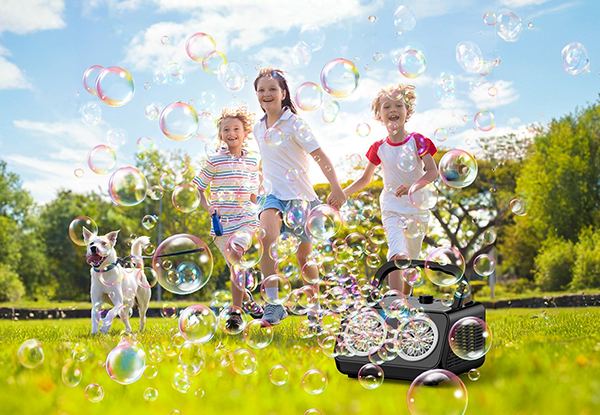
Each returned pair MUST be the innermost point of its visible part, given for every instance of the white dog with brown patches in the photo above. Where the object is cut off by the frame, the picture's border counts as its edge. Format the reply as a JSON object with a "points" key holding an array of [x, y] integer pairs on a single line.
{"points": [[112, 283]]}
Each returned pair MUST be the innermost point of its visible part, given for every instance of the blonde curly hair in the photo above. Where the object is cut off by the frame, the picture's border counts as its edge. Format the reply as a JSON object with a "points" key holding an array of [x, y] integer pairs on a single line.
{"points": [[399, 91], [241, 114]]}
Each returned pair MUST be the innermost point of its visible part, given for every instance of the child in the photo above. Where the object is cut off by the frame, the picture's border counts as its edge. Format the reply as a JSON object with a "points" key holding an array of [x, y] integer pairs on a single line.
{"points": [[232, 176], [393, 106], [280, 116]]}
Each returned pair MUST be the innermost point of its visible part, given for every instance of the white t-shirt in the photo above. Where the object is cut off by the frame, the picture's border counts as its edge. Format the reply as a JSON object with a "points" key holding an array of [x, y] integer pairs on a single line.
{"points": [[386, 153], [286, 165]]}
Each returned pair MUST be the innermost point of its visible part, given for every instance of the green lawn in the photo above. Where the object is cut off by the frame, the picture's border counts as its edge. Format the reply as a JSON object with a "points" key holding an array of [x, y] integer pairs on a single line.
{"points": [[540, 363]]}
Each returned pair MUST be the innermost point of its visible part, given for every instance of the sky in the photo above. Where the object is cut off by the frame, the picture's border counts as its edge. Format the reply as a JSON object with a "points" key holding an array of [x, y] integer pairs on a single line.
{"points": [[46, 134]]}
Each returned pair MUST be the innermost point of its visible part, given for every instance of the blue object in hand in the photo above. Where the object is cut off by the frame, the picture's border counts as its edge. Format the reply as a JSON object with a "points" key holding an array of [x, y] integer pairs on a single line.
{"points": [[216, 221]]}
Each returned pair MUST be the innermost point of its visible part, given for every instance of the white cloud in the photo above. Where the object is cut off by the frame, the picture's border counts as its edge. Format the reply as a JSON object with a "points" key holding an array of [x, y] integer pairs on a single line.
{"points": [[271, 56], [114, 6], [551, 10], [68, 133], [27, 16], [11, 77], [515, 4], [505, 95]]}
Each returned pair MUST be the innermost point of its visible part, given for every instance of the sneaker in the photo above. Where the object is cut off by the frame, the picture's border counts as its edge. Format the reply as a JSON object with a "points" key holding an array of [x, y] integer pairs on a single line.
{"points": [[235, 322], [274, 314], [252, 307]]}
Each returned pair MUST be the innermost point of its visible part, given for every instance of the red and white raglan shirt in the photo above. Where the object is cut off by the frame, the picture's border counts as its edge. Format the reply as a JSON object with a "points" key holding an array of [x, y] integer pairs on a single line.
{"points": [[387, 154]]}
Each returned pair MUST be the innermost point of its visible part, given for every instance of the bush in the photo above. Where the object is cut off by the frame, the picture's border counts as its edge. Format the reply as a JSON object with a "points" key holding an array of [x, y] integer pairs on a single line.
{"points": [[11, 287], [586, 270], [519, 286], [554, 264]]}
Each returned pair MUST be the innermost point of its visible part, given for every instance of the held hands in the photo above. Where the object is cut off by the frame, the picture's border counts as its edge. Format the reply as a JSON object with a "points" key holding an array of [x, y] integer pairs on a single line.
{"points": [[336, 198], [402, 190]]}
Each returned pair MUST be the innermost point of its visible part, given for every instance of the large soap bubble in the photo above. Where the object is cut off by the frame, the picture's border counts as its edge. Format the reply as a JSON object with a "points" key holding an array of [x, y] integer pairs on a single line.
{"points": [[179, 121], [484, 120], [125, 363], [404, 20], [199, 45], [198, 323], [101, 159], [509, 26], [127, 186], [423, 195], [183, 264], [313, 36], [231, 76], [309, 96], [185, 198], [437, 385], [468, 56], [444, 257], [575, 58], [339, 78], [89, 78], [324, 221], [458, 168], [115, 86], [76, 229], [31, 354], [470, 338]]}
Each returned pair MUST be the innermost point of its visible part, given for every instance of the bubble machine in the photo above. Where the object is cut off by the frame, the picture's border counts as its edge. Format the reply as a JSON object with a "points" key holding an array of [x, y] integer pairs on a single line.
{"points": [[433, 351]]}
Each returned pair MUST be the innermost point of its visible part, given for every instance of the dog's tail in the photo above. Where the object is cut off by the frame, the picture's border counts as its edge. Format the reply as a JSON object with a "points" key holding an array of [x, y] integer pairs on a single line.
{"points": [[136, 249]]}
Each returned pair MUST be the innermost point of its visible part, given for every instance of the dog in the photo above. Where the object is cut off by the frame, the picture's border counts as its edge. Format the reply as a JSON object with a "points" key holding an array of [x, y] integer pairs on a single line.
{"points": [[113, 283]]}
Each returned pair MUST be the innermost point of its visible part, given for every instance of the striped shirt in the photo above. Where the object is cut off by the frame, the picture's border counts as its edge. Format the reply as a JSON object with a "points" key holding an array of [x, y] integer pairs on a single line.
{"points": [[232, 181]]}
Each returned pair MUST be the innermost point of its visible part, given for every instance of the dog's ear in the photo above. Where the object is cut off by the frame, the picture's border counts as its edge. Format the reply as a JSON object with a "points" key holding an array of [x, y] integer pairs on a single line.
{"points": [[112, 237], [87, 235]]}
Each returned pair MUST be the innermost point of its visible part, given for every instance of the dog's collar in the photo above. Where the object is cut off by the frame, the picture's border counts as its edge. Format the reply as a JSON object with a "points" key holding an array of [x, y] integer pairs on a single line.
{"points": [[106, 268]]}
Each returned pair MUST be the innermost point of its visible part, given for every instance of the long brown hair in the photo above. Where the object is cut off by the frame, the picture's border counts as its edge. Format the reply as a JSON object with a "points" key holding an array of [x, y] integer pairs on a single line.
{"points": [[278, 75]]}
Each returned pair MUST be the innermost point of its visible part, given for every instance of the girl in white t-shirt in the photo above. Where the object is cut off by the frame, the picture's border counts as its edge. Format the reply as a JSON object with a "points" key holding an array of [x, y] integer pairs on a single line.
{"points": [[285, 144], [393, 106]]}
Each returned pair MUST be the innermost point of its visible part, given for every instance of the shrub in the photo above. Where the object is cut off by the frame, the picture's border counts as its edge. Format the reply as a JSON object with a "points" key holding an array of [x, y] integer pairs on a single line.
{"points": [[554, 264], [11, 287], [586, 270]]}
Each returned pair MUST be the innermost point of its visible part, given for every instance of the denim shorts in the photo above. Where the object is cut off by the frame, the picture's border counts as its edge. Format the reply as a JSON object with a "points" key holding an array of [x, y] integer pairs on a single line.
{"points": [[272, 202]]}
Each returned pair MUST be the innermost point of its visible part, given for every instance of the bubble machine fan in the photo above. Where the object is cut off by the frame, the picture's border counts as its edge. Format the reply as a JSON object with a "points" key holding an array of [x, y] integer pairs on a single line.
{"points": [[433, 351]]}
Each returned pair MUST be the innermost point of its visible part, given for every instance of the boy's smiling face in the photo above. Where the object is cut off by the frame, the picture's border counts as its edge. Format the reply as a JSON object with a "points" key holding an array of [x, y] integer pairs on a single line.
{"points": [[232, 133], [392, 111]]}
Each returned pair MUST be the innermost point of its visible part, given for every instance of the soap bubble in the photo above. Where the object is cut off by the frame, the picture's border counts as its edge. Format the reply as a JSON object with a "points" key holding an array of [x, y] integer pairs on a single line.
{"points": [[363, 129], [189, 267], [282, 285], [76, 229], [231, 76], [125, 363], [274, 136], [423, 195], [199, 45], [302, 130], [468, 56], [404, 20], [71, 373], [178, 121], [489, 236], [149, 221], [198, 323], [330, 111], [444, 257], [301, 55], [413, 277], [509, 26], [437, 385], [484, 120], [314, 381], [484, 265], [145, 143], [214, 62], [89, 78], [309, 96], [115, 86], [258, 334], [413, 228], [517, 206], [91, 113], [470, 338], [30, 353], [370, 376], [244, 249], [313, 36], [324, 222], [186, 198], [226, 314], [406, 160], [101, 159], [94, 392], [575, 58], [447, 299], [150, 394], [127, 186], [458, 168], [412, 62], [440, 134], [244, 361], [279, 375], [474, 375], [339, 78], [489, 18], [116, 137]]}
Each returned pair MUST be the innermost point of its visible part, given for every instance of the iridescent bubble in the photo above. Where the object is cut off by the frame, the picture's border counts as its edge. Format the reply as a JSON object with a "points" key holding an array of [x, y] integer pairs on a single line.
{"points": [[127, 186], [309, 96], [509, 26], [91, 113], [116, 137], [149, 221], [314, 381], [489, 236], [370, 376], [412, 63], [423, 195], [231, 76], [484, 265], [30, 353], [313, 36], [76, 229], [258, 334], [71, 373], [470, 338], [101, 159], [302, 130], [489, 18], [198, 323], [199, 45], [274, 136], [89, 78], [115, 86], [406, 160], [125, 363], [179, 121], [150, 394], [94, 392], [363, 129], [279, 375], [440, 134], [155, 192], [413, 228], [517, 206], [447, 299], [79, 173], [145, 143], [458, 168], [404, 20], [214, 62], [292, 175], [437, 385], [225, 320], [186, 198], [330, 111], [301, 55], [474, 375], [244, 361], [243, 249], [468, 56], [189, 265], [483, 68], [462, 289], [413, 277], [575, 58], [339, 78], [324, 222], [282, 286], [492, 91], [437, 262]]}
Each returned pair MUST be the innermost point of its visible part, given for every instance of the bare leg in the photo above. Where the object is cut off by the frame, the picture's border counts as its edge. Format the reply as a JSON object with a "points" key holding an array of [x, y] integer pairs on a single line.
{"points": [[311, 274], [396, 281], [270, 221]]}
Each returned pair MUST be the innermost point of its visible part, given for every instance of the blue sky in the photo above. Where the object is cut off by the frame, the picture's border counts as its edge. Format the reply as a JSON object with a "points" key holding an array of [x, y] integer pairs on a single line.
{"points": [[46, 46]]}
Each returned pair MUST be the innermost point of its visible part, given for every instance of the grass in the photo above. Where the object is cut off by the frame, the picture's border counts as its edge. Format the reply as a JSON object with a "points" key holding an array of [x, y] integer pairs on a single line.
{"points": [[541, 362]]}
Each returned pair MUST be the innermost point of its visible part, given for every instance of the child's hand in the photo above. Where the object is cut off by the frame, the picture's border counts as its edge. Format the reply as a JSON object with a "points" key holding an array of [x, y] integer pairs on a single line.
{"points": [[402, 190], [336, 198], [211, 210]]}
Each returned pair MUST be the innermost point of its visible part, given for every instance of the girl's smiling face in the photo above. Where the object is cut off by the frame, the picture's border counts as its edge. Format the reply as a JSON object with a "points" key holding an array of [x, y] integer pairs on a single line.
{"points": [[392, 111], [232, 133], [269, 94]]}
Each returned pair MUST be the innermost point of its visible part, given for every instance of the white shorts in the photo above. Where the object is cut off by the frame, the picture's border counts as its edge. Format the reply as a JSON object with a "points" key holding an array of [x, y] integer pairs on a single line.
{"points": [[397, 241], [221, 241]]}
